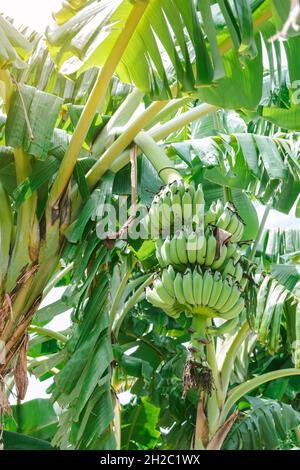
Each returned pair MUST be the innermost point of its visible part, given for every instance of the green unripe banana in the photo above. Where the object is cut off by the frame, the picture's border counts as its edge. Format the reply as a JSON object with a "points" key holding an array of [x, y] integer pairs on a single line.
{"points": [[235, 311], [236, 237], [208, 282], [219, 208], [176, 206], [219, 262], [211, 248], [224, 219], [191, 247], [232, 248], [181, 248], [238, 274], [187, 283], [225, 293], [158, 245], [173, 252], [229, 268], [197, 286], [167, 214], [201, 252], [187, 208], [233, 224], [154, 299], [178, 288], [168, 277], [233, 298], [165, 252], [163, 293], [216, 290]]}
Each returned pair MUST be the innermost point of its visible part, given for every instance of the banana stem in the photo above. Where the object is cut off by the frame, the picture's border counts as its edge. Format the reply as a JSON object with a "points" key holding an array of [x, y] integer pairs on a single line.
{"points": [[182, 120], [214, 402], [231, 355], [96, 96], [163, 131], [199, 324], [157, 157]]}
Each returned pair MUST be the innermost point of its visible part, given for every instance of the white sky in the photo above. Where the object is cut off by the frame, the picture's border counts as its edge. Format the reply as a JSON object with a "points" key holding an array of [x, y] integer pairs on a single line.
{"points": [[33, 13]]}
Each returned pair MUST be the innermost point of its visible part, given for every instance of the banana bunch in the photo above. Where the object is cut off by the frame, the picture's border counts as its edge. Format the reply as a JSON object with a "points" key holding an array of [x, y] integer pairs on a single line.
{"points": [[193, 247], [225, 218], [176, 205], [196, 292]]}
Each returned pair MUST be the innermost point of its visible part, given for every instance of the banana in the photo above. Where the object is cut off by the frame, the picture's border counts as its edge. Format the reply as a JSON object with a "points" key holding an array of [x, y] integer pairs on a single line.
{"points": [[197, 286], [158, 244], [231, 250], [165, 252], [226, 327], [198, 201], [187, 284], [201, 252], [218, 263], [233, 224], [168, 277], [225, 293], [237, 255], [236, 237], [153, 298], [224, 219], [181, 248], [187, 208], [210, 249], [219, 208], [191, 247], [208, 282], [173, 312], [216, 290], [238, 273], [235, 311], [209, 217], [229, 268], [233, 298], [154, 218], [173, 252], [178, 288], [176, 210], [167, 214], [163, 293]]}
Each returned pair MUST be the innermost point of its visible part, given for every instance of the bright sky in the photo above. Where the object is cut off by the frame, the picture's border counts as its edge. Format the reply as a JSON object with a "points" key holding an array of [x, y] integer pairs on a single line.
{"points": [[33, 13]]}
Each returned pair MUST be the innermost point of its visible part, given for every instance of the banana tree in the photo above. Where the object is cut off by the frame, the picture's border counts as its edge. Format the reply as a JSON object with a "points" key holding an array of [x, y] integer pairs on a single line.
{"points": [[55, 173]]}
